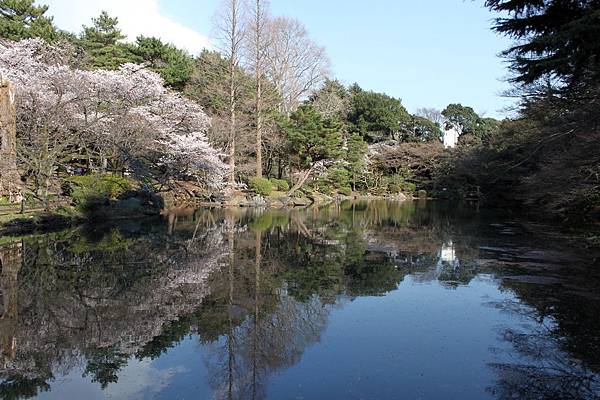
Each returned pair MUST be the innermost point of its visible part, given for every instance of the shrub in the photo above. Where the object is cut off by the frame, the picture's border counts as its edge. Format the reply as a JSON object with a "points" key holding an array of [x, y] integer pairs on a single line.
{"points": [[4, 201], [88, 189], [321, 185], [261, 186], [398, 184], [280, 184], [338, 176], [346, 191], [422, 194]]}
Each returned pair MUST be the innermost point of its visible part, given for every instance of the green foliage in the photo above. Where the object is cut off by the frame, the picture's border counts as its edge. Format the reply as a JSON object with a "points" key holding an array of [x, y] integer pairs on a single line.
{"points": [[346, 191], [555, 39], [399, 183], [209, 84], [89, 189], [462, 116], [280, 184], [423, 130], [312, 138], [4, 201], [22, 19], [261, 186], [377, 116], [474, 129], [422, 194], [103, 43], [355, 156], [104, 364], [174, 65], [332, 100], [111, 243], [338, 176]]}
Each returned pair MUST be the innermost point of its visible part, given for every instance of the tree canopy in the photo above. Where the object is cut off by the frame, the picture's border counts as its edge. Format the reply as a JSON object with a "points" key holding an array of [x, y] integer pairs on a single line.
{"points": [[312, 138], [103, 43], [555, 38], [22, 19], [174, 65], [377, 116]]}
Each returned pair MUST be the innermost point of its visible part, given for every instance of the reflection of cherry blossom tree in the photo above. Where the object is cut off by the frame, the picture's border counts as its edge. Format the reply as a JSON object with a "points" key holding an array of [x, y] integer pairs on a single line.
{"points": [[125, 116]]}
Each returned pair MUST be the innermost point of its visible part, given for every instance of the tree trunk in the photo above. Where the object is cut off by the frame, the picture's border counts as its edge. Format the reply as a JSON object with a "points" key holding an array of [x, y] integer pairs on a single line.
{"points": [[303, 178], [10, 179], [233, 35], [258, 70]]}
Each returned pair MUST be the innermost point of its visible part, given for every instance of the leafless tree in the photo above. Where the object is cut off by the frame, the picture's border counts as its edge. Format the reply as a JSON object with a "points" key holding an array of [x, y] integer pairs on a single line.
{"points": [[296, 65], [230, 32], [258, 44], [432, 114]]}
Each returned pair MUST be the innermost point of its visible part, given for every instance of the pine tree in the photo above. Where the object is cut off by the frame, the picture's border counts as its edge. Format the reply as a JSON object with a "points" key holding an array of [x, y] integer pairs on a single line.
{"points": [[174, 65], [555, 38], [22, 19], [313, 140], [103, 43]]}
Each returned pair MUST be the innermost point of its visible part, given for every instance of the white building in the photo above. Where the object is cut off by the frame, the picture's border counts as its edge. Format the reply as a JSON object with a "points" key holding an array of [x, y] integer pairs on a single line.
{"points": [[451, 134]]}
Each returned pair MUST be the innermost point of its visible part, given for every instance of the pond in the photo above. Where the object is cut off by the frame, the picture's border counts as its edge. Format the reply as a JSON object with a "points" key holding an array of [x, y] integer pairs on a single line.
{"points": [[380, 300]]}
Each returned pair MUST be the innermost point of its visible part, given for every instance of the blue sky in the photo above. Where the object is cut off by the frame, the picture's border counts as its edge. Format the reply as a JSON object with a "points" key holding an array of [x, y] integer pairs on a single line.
{"points": [[426, 52], [429, 53]]}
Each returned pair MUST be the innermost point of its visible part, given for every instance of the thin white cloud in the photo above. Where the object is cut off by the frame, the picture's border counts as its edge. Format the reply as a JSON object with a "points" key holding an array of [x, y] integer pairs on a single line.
{"points": [[136, 17]]}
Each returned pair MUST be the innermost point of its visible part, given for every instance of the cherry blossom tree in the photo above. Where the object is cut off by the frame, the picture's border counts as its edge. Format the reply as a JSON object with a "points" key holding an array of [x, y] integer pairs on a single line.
{"points": [[126, 116]]}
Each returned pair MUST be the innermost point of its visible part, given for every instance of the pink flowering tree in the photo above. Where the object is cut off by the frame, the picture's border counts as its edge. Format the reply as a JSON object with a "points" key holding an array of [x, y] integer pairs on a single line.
{"points": [[126, 118]]}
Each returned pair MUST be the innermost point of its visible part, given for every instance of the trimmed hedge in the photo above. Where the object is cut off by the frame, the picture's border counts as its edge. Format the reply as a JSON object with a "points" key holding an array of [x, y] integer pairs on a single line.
{"points": [[95, 188], [261, 186], [280, 184]]}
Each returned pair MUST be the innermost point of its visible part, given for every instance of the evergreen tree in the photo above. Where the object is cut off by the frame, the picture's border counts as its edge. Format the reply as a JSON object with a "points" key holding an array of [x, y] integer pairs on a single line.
{"points": [[22, 19], [423, 130], [462, 117], [555, 38], [332, 100], [355, 156], [311, 137], [103, 42], [174, 65], [377, 116]]}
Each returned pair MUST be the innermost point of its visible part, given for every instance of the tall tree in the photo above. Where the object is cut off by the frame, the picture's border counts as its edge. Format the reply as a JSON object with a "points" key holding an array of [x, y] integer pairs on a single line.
{"points": [[259, 44], [356, 158], [230, 34], [22, 19], [296, 64], [103, 42], [463, 118], [424, 130]]}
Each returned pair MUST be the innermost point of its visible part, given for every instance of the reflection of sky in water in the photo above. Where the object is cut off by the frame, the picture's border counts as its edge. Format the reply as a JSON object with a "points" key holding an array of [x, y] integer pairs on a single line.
{"points": [[177, 374], [392, 303], [391, 346]]}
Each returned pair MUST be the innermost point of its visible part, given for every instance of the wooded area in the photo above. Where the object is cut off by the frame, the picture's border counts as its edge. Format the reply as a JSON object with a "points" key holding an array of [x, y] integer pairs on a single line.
{"points": [[262, 113]]}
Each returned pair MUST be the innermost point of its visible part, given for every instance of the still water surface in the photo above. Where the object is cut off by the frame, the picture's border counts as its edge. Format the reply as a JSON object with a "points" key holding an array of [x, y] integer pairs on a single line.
{"points": [[351, 301]]}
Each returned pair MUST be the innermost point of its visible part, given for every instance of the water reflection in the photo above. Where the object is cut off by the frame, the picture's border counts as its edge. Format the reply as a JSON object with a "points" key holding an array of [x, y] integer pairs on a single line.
{"points": [[255, 290]]}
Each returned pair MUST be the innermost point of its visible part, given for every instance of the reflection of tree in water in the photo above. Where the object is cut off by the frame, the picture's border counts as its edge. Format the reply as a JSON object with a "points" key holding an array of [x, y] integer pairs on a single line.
{"points": [[540, 366], [100, 302], [74, 301]]}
